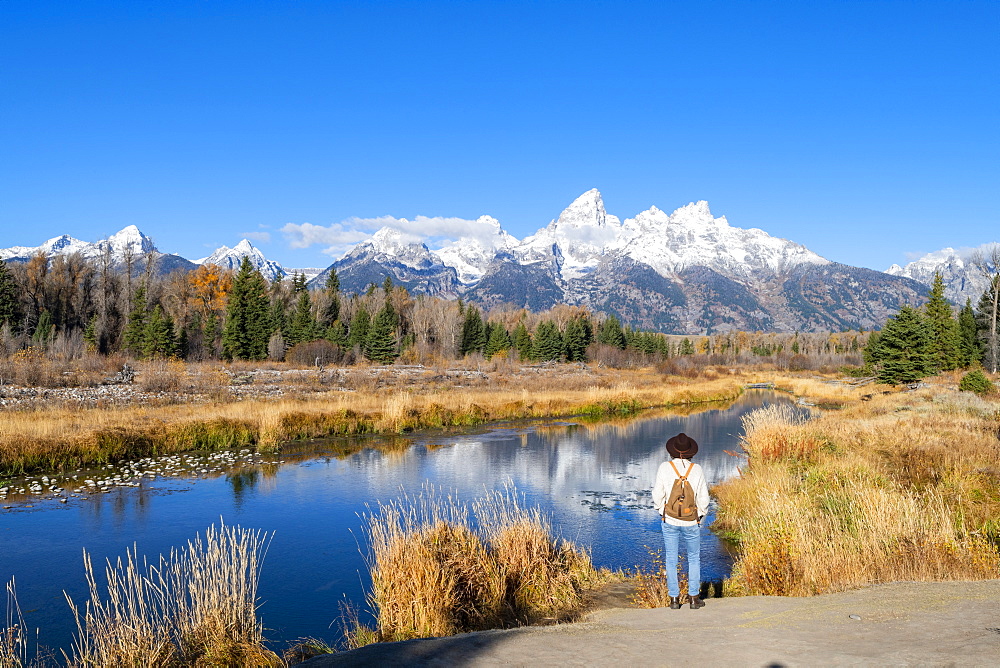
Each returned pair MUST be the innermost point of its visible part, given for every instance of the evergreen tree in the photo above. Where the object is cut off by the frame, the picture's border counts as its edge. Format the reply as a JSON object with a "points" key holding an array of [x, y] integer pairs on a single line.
{"points": [[387, 285], [687, 348], [903, 351], [44, 328], [158, 335], [10, 306], [499, 341], [381, 345], [134, 335], [332, 287], [548, 344], [303, 327], [522, 341], [337, 334], [610, 333], [360, 324], [299, 284], [473, 332], [248, 327], [968, 342], [576, 341], [944, 328], [90, 334]]}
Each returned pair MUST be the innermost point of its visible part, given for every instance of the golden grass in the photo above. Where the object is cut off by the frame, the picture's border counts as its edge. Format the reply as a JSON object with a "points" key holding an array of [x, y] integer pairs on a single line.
{"points": [[195, 608], [440, 566], [49, 438], [902, 487], [13, 635]]}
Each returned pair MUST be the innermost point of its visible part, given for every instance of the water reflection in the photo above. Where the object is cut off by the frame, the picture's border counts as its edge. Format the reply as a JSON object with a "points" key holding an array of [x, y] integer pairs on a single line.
{"points": [[593, 479]]}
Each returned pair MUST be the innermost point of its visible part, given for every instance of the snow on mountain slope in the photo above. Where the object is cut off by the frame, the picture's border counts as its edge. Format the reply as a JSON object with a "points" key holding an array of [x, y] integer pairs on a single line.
{"points": [[962, 278], [231, 258], [129, 238], [583, 232], [691, 236], [471, 255]]}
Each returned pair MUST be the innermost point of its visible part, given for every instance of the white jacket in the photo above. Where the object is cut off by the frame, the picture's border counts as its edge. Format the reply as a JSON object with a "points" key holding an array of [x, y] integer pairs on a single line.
{"points": [[665, 477]]}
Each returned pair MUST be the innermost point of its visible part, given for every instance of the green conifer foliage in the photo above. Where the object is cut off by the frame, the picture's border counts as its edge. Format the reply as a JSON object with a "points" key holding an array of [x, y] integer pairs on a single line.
{"points": [[303, 327], [988, 325], [337, 334], [903, 350], [381, 345], [548, 344], [610, 333], [248, 327], [944, 328], [158, 335], [522, 341], [473, 332], [686, 348], [332, 311], [10, 306], [360, 324], [576, 341], [968, 343], [135, 332], [499, 341]]}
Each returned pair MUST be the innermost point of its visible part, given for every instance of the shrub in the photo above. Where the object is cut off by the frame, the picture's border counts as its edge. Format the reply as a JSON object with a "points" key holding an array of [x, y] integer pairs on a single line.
{"points": [[314, 353], [976, 381]]}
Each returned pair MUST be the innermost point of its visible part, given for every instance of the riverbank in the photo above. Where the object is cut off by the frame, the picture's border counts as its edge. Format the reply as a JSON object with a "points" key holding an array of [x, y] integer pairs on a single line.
{"points": [[48, 435], [903, 623]]}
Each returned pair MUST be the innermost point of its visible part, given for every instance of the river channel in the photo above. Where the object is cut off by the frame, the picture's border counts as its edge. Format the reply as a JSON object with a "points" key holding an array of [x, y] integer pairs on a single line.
{"points": [[592, 479]]}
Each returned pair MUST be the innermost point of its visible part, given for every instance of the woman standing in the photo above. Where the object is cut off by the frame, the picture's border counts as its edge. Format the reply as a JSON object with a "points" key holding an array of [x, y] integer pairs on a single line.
{"points": [[682, 506]]}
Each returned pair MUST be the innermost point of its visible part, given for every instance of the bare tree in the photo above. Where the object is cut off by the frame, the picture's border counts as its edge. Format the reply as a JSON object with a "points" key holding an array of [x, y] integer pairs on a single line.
{"points": [[987, 261]]}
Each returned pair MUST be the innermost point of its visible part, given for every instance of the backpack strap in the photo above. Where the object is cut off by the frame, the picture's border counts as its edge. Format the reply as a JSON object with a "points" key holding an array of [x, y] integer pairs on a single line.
{"points": [[678, 473]]}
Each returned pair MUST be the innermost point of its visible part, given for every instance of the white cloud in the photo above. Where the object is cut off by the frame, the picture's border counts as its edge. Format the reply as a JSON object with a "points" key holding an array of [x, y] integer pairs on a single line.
{"points": [[263, 237], [433, 230]]}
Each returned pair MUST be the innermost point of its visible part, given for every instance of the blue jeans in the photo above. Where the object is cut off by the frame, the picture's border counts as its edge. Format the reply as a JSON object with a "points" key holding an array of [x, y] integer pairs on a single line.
{"points": [[692, 541]]}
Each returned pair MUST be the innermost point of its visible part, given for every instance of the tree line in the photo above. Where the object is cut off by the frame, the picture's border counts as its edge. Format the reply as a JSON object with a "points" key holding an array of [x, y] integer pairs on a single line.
{"points": [[67, 304]]}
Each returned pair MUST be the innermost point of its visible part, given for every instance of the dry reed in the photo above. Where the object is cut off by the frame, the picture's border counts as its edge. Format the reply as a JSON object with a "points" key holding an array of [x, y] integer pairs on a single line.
{"points": [[439, 569], [196, 607], [13, 636]]}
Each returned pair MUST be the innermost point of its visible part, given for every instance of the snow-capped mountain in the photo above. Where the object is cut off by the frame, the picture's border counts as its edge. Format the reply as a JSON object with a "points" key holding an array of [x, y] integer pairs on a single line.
{"points": [[231, 258], [390, 253], [471, 255], [127, 247], [963, 279]]}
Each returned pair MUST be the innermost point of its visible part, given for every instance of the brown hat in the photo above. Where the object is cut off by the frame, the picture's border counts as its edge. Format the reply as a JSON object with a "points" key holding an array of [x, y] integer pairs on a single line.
{"points": [[682, 446]]}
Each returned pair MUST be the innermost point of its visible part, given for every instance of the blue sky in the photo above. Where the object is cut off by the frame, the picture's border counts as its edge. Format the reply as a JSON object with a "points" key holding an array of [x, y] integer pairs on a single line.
{"points": [[865, 130]]}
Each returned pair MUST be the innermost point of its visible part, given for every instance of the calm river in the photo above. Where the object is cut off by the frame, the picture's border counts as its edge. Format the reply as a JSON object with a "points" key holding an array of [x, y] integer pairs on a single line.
{"points": [[593, 481]]}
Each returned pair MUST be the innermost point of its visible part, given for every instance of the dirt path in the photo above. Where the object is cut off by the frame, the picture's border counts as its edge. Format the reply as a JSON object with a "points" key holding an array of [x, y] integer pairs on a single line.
{"points": [[926, 624]]}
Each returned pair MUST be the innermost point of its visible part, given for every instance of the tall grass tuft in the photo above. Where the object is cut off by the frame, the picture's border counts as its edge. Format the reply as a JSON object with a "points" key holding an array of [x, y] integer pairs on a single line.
{"points": [[441, 566], [13, 635], [196, 607]]}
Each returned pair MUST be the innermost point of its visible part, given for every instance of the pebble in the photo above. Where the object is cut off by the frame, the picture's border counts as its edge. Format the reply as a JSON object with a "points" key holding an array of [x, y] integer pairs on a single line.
{"points": [[855, 617]]}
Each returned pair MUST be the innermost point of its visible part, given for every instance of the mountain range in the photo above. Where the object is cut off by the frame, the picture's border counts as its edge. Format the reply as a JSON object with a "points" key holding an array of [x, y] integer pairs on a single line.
{"points": [[683, 272]]}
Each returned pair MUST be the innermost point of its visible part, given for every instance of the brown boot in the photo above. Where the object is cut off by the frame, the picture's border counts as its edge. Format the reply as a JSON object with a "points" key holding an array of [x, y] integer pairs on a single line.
{"points": [[696, 602], [675, 602]]}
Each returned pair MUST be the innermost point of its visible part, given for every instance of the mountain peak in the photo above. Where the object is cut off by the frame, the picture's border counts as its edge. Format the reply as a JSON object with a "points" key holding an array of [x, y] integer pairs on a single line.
{"points": [[587, 210], [245, 247]]}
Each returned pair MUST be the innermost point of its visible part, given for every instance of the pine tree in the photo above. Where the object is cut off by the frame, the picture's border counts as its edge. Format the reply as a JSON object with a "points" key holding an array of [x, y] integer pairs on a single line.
{"points": [[499, 341], [944, 328], [303, 327], [686, 348], [247, 329], [522, 341], [90, 334], [473, 332], [44, 328], [158, 335], [381, 345], [299, 284], [610, 333], [360, 324], [548, 345], [337, 334], [968, 342], [576, 341], [10, 306], [332, 287], [134, 335], [903, 350]]}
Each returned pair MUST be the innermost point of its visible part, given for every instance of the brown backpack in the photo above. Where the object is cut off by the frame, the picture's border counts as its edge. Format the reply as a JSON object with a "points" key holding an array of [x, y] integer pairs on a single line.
{"points": [[681, 504]]}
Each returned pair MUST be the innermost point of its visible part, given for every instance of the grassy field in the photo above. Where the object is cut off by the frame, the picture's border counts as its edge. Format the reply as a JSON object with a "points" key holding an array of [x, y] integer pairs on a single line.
{"points": [[893, 486]]}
